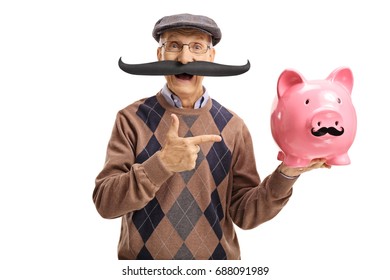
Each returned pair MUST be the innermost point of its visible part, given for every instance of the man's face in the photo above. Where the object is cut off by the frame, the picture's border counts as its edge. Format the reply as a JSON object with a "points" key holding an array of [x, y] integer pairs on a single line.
{"points": [[188, 88]]}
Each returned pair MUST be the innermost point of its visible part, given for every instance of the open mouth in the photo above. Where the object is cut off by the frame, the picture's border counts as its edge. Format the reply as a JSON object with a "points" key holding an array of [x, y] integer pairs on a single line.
{"points": [[184, 76]]}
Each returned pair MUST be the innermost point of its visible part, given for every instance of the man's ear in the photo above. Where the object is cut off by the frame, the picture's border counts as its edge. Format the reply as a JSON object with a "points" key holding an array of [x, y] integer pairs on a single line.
{"points": [[212, 54], [159, 54]]}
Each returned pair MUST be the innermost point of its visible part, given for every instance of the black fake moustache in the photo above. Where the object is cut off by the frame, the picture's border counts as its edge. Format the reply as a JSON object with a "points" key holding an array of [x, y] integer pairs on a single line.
{"points": [[172, 67]]}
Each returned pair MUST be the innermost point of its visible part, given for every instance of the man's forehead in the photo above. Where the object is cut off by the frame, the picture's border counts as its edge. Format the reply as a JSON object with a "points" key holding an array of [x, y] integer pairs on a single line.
{"points": [[199, 35]]}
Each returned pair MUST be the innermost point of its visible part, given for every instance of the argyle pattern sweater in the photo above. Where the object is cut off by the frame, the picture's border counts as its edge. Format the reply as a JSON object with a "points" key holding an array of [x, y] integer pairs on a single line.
{"points": [[186, 215]]}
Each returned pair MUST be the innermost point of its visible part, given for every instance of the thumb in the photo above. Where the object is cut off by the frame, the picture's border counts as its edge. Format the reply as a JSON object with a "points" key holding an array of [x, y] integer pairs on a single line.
{"points": [[174, 128]]}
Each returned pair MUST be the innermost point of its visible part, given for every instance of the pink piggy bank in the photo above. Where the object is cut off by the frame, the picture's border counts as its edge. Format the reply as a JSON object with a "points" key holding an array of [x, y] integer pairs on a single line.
{"points": [[314, 118]]}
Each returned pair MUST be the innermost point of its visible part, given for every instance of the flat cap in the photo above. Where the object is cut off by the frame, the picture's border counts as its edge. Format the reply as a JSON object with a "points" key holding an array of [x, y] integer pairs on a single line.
{"points": [[202, 23]]}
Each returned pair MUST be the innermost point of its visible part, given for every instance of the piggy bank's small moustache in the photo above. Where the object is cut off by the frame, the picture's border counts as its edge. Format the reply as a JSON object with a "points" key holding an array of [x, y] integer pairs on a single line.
{"points": [[171, 67], [324, 130]]}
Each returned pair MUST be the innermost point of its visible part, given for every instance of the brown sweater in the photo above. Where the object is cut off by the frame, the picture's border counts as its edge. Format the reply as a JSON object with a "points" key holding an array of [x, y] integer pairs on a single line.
{"points": [[186, 215]]}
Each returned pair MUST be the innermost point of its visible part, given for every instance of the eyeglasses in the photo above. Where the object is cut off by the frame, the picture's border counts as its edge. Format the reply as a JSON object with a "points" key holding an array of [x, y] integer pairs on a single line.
{"points": [[194, 47]]}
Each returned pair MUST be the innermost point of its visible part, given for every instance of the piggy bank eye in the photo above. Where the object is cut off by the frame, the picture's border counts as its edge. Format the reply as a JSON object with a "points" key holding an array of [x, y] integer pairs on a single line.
{"points": [[339, 100], [307, 101]]}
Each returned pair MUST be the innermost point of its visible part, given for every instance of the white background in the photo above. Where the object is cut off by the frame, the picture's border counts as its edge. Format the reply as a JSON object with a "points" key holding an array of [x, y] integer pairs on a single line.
{"points": [[61, 87]]}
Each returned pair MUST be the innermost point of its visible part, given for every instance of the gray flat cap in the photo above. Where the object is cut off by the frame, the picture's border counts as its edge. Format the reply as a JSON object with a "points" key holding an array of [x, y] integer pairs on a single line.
{"points": [[199, 22]]}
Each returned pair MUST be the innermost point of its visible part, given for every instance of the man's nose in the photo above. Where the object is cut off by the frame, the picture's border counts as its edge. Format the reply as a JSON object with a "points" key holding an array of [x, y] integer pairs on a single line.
{"points": [[185, 56]]}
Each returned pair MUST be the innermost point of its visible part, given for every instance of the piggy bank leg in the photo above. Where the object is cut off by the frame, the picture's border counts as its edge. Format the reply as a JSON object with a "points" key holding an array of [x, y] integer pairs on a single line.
{"points": [[280, 156], [342, 159], [293, 161]]}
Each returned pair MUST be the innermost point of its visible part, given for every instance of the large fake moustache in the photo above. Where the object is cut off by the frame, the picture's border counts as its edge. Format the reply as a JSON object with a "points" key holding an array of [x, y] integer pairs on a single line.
{"points": [[196, 68]]}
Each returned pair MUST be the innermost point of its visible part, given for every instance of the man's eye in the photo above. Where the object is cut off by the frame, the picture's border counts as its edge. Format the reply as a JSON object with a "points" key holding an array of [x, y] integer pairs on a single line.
{"points": [[174, 45], [198, 47]]}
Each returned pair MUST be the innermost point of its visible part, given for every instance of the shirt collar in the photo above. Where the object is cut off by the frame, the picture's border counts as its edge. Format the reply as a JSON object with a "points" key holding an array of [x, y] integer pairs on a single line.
{"points": [[175, 101]]}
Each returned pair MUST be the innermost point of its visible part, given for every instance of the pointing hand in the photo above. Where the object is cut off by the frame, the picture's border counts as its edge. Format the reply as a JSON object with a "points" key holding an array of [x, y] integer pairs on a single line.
{"points": [[180, 154]]}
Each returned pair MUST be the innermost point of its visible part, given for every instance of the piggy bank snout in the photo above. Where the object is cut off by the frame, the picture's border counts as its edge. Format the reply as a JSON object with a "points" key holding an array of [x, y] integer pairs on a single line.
{"points": [[327, 119]]}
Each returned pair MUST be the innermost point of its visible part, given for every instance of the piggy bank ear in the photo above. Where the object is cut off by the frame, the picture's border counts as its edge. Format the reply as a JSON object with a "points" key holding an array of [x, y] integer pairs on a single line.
{"points": [[287, 79], [342, 75]]}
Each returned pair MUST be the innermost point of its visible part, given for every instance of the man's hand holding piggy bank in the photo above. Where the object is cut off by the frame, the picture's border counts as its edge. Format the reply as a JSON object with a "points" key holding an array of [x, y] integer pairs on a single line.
{"points": [[314, 122]]}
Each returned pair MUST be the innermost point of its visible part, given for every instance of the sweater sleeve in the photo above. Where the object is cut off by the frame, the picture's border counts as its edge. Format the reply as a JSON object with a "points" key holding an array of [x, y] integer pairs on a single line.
{"points": [[254, 201], [124, 186]]}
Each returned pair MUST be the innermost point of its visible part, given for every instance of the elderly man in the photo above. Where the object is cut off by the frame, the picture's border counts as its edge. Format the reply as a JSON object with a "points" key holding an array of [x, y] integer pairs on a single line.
{"points": [[180, 168]]}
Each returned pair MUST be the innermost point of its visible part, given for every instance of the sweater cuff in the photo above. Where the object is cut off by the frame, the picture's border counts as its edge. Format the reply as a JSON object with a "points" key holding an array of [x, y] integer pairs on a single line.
{"points": [[286, 176], [281, 184], [155, 170]]}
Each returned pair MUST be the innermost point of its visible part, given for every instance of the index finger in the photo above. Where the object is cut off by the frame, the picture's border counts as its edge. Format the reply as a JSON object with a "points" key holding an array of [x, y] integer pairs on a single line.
{"points": [[204, 139]]}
